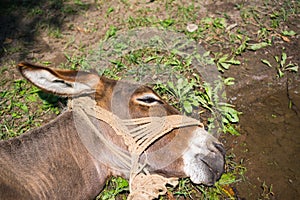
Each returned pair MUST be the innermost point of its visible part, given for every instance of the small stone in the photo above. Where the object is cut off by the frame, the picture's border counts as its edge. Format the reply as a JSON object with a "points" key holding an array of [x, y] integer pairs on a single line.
{"points": [[191, 27]]}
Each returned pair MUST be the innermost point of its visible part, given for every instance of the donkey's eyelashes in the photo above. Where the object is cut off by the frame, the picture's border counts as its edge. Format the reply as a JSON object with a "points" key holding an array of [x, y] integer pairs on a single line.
{"points": [[149, 99]]}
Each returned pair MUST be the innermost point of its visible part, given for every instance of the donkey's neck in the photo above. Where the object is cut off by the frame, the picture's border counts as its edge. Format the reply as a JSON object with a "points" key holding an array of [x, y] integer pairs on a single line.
{"points": [[50, 163]]}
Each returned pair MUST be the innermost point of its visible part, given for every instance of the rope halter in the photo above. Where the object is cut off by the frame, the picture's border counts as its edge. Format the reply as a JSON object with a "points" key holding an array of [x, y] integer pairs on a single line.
{"points": [[138, 134]]}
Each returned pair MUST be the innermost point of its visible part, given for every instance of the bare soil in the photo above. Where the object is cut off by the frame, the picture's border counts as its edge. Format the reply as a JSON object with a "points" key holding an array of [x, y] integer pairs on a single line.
{"points": [[269, 144], [270, 127]]}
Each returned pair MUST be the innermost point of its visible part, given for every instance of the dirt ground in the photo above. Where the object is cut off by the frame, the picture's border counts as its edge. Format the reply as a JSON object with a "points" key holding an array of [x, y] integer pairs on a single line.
{"points": [[269, 144]]}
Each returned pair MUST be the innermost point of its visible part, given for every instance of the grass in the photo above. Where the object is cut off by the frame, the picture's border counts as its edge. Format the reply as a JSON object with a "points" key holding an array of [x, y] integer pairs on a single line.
{"points": [[228, 38], [115, 187], [21, 108]]}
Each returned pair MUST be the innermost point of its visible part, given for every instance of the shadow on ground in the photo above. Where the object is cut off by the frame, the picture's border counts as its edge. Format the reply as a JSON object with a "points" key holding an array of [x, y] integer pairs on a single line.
{"points": [[23, 20]]}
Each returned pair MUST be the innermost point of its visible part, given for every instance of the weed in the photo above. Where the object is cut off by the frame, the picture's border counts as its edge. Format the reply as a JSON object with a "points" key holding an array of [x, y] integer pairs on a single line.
{"points": [[224, 116], [118, 186], [257, 46], [36, 11], [229, 81], [267, 192], [55, 32], [114, 72], [186, 13], [69, 9], [224, 62], [134, 22], [184, 88], [281, 65], [186, 98], [167, 22], [217, 23], [17, 109], [288, 33], [221, 190], [243, 44], [109, 11], [110, 32], [184, 188], [14, 49], [74, 61]]}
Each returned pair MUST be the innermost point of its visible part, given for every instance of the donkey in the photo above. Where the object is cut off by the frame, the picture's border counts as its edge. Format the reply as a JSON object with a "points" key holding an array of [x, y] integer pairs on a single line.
{"points": [[52, 162]]}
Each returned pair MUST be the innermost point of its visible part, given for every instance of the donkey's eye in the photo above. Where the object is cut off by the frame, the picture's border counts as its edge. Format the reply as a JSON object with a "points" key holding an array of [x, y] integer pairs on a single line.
{"points": [[149, 99]]}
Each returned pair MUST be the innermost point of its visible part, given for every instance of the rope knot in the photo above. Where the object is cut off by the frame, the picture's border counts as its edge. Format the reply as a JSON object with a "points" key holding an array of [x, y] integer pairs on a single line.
{"points": [[150, 186]]}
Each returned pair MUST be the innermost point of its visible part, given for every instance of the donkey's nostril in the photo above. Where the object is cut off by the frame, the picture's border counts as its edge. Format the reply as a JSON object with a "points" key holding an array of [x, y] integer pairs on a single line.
{"points": [[220, 147]]}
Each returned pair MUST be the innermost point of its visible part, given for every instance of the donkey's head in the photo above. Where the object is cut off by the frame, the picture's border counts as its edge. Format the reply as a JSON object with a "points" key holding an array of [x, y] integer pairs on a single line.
{"points": [[185, 152]]}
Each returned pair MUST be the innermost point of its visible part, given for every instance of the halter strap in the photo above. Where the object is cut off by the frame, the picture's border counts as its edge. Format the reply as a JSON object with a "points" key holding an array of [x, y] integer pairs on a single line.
{"points": [[138, 134]]}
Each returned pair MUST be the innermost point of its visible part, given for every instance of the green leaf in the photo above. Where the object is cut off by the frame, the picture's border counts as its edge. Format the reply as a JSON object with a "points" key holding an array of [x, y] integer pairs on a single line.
{"points": [[194, 101], [31, 98], [4, 93], [231, 114], [225, 65], [150, 58], [187, 106], [288, 33], [167, 22], [224, 62], [22, 106], [292, 67], [280, 73], [205, 104], [170, 85], [223, 58], [283, 59], [207, 20], [186, 91], [208, 90], [220, 69], [233, 62], [266, 62], [241, 48], [110, 32], [109, 10], [257, 46], [230, 129], [206, 54], [122, 183], [225, 120], [227, 179], [229, 81], [180, 84]]}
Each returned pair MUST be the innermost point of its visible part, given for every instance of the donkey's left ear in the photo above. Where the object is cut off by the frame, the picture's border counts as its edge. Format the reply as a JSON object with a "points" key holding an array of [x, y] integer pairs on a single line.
{"points": [[60, 82]]}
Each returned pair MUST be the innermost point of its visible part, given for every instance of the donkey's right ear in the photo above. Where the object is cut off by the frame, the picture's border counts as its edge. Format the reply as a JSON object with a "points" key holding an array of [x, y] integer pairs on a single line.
{"points": [[60, 82]]}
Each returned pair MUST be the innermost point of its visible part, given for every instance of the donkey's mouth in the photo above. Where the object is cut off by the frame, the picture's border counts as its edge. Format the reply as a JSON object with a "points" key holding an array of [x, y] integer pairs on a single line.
{"points": [[204, 160], [204, 169], [214, 171]]}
